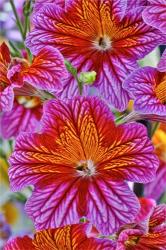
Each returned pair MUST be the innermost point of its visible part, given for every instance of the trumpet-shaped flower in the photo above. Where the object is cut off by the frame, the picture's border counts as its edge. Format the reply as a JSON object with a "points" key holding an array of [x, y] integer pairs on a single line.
{"points": [[154, 235], [72, 237], [79, 164], [99, 35], [155, 14], [45, 72]]}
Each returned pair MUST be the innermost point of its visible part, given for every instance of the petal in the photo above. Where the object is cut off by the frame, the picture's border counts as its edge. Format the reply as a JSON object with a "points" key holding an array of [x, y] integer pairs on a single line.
{"points": [[162, 64], [147, 206], [86, 122], [110, 77], [47, 70], [19, 243], [69, 237], [41, 3], [55, 204], [6, 99], [136, 3], [158, 217], [14, 75], [131, 156], [155, 14], [110, 205], [152, 241], [19, 119], [4, 54], [41, 157], [157, 187], [136, 39], [140, 85]]}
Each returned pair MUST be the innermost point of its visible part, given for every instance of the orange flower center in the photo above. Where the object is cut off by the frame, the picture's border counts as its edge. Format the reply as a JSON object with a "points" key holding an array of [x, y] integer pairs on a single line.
{"points": [[28, 101], [86, 168], [102, 43], [160, 90]]}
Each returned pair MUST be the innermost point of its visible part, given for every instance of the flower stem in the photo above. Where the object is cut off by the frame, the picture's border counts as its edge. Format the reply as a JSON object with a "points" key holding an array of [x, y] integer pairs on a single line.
{"points": [[18, 22]]}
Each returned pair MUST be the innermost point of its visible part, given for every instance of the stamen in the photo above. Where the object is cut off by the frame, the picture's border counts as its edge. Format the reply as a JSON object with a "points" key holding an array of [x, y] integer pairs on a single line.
{"points": [[86, 168], [102, 43]]}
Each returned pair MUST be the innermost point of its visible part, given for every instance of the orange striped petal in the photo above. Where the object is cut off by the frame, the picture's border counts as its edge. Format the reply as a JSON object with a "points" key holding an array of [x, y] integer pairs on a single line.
{"points": [[47, 70]]}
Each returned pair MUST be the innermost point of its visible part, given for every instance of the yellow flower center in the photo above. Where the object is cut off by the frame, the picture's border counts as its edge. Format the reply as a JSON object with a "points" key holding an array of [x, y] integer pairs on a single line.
{"points": [[28, 101]]}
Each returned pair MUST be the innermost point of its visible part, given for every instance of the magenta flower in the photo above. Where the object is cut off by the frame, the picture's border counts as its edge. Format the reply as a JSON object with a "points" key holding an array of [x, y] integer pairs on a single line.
{"points": [[46, 71], [147, 87], [154, 235], [155, 14], [96, 35], [24, 116], [79, 164]]}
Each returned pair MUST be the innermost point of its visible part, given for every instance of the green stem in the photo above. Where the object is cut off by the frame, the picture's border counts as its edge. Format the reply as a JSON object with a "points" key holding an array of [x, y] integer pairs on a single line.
{"points": [[18, 22], [80, 85], [155, 127], [16, 51]]}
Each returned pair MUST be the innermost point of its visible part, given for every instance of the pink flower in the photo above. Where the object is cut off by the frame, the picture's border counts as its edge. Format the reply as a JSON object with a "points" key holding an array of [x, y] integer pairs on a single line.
{"points": [[79, 164], [96, 35]]}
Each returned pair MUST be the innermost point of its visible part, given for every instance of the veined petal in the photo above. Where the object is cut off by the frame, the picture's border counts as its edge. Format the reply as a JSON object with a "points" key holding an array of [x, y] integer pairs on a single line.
{"points": [[81, 122], [71, 237], [47, 70], [147, 207], [20, 243], [157, 187], [53, 205], [110, 205], [19, 119], [131, 4], [130, 155], [155, 14], [41, 3], [146, 87], [158, 217], [6, 99]]}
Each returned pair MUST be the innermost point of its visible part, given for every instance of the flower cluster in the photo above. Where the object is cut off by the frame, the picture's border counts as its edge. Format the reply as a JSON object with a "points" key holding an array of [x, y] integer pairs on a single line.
{"points": [[85, 153]]}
